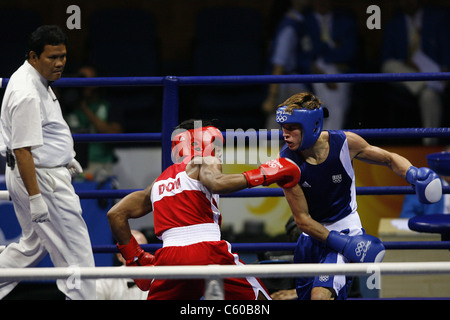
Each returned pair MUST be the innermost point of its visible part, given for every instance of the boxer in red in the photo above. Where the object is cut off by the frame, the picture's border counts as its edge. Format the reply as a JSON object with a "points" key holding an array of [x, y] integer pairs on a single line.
{"points": [[185, 204]]}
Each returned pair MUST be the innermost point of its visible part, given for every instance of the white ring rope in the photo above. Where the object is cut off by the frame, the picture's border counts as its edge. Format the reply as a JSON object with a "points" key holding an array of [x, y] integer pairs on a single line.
{"points": [[4, 195], [222, 271]]}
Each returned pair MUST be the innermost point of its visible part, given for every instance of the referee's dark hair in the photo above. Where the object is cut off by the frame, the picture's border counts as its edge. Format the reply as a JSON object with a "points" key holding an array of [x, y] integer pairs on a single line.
{"points": [[45, 35]]}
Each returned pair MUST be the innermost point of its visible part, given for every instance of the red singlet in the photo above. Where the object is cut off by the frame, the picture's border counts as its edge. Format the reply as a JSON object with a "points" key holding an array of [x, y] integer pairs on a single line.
{"points": [[187, 219]]}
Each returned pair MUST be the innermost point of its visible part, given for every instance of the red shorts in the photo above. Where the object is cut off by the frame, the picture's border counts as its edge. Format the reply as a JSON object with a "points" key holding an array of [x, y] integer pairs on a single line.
{"points": [[203, 253]]}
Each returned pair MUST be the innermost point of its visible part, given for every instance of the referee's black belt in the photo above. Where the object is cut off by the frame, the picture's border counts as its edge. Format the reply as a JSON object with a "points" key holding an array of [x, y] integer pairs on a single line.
{"points": [[10, 160]]}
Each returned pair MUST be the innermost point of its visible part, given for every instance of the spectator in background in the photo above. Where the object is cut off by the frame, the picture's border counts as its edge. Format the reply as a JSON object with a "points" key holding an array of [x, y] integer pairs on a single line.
{"points": [[122, 289], [333, 35], [288, 56], [93, 114], [417, 40], [413, 207]]}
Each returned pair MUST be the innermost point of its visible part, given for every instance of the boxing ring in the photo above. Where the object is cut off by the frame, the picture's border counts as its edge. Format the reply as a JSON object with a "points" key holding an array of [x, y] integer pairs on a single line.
{"points": [[214, 274]]}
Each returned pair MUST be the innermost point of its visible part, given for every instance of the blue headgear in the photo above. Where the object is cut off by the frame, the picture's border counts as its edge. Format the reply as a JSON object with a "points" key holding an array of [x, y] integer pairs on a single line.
{"points": [[310, 120]]}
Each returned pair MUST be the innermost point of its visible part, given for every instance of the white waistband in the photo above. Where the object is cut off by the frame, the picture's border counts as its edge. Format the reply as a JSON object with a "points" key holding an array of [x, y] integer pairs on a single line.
{"points": [[351, 222], [184, 236]]}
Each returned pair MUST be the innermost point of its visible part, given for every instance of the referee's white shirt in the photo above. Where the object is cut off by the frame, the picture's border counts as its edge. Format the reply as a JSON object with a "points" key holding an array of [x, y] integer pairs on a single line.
{"points": [[31, 117]]}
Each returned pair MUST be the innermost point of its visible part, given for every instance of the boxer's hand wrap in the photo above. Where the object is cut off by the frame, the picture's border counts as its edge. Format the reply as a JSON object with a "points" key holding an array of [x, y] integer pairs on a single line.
{"points": [[282, 171], [427, 184], [362, 248], [135, 256]]}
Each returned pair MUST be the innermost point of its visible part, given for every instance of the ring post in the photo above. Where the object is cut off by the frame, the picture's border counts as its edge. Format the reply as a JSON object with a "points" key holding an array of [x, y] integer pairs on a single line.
{"points": [[169, 117]]}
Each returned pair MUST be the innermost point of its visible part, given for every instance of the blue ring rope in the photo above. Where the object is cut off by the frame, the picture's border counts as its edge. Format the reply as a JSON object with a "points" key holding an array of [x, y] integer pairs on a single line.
{"points": [[382, 133], [248, 79], [313, 78], [257, 192], [116, 137], [289, 246]]}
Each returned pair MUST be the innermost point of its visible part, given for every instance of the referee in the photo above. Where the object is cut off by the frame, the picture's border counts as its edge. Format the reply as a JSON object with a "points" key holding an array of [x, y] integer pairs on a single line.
{"points": [[38, 146]]}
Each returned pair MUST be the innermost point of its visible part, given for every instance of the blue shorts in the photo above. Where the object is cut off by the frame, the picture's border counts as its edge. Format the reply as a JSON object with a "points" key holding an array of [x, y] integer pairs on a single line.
{"points": [[309, 250]]}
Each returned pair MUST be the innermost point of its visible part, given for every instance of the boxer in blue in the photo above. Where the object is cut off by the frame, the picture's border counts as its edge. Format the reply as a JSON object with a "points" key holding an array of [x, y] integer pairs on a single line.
{"points": [[324, 201]]}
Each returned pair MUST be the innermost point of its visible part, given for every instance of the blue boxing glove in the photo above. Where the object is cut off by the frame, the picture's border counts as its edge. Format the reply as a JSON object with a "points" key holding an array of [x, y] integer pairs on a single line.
{"points": [[427, 184], [361, 248]]}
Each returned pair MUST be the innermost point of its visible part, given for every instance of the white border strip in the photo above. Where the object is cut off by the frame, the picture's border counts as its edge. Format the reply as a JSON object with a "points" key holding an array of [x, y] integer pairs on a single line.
{"points": [[221, 271]]}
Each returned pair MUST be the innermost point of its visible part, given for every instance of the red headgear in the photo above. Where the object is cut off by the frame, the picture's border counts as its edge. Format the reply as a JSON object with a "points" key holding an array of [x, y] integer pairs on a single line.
{"points": [[195, 142]]}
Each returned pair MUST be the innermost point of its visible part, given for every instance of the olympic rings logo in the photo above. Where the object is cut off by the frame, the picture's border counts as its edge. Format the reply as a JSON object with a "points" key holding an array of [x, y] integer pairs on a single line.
{"points": [[362, 248], [280, 118]]}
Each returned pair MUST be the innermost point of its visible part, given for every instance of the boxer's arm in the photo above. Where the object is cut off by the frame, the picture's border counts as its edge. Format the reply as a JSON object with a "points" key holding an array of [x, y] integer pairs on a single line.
{"points": [[210, 174], [132, 206], [427, 184], [362, 150], [299, 207]]}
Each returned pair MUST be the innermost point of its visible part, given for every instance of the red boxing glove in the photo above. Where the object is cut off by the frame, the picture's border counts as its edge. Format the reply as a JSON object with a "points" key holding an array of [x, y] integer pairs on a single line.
{"points": [[135, 256], [282, 171]]}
